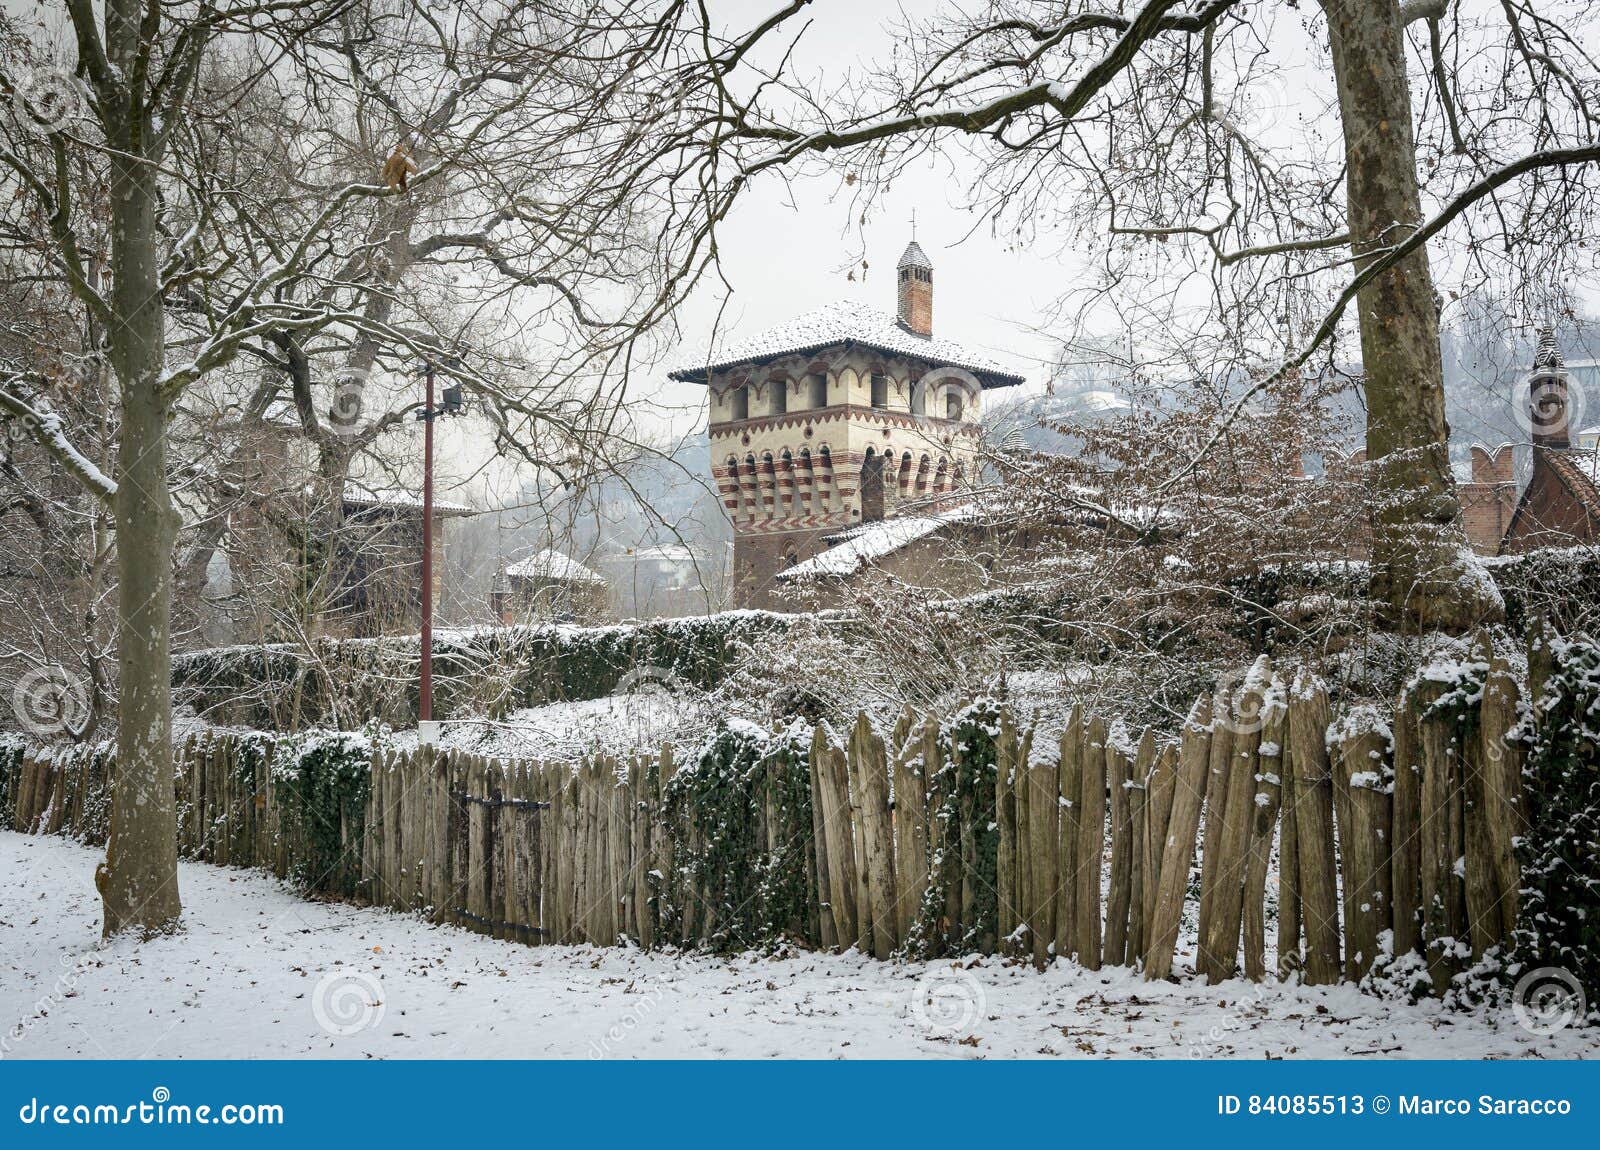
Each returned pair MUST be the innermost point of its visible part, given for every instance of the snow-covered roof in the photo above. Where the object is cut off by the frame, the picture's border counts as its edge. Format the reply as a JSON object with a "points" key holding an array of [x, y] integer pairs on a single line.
{"points": [[846, 321], [870, 541], [552, 565], [915, 257], [399, 501]]}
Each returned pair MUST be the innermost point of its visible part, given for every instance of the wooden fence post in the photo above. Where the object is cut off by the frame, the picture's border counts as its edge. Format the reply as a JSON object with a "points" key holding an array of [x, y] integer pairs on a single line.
{"points": [[1405, 852], [1505, 812], [911, 768], [1444, 901], [1177, 854], [1219, 934], [1267, 798], [1071, 803], [1005, 815], [1313, 800], [872, 771], [1119, 776], [1161, 786], [841, 844], [1363, 838], [1220, 752], [1091, 842], [1144, 769], [819, 840], [1291, 957], [1044, 806]]}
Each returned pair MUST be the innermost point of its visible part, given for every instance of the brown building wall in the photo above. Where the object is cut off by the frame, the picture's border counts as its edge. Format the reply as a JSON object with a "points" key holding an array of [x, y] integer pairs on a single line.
{"points": [[1549, 514], [757, 558]]}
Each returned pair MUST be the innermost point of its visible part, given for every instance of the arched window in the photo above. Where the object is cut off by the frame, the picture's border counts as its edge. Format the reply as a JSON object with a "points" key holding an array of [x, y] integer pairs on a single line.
{"points": [[952, 404], [880, 389], [739, 402], [780, 396], [872, 487], [817, 388]]}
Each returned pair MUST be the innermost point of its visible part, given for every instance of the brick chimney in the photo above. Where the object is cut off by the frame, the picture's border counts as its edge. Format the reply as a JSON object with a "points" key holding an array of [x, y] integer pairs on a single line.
{"points": [[915, 274], [1547, 394]]}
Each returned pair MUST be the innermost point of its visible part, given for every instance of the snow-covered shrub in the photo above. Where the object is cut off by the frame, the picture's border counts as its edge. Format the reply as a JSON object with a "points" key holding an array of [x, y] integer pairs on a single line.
{"points": [[963, 839], [1559, 923], [11, 748], [1558, 584], [322, 781], [486, 672], [744, 791]]}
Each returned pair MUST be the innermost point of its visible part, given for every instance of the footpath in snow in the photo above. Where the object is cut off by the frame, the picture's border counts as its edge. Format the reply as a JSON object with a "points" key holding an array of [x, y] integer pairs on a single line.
{"points": [[261, 973]]}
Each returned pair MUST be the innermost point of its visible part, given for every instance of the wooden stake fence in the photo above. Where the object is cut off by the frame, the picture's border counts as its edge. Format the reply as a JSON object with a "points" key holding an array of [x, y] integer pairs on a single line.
{"points": [[1083, 848]]}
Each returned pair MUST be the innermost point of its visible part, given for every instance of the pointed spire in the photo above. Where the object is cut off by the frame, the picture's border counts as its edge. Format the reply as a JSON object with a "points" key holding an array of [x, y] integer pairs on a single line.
{"points": [[1547, 394], [1547, 358], [915, 257]]}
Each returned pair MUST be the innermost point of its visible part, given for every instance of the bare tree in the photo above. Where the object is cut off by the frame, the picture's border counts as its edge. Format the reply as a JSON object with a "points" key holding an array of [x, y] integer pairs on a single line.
{"points": [[1137, 128], [231, 232], [134, 75]]}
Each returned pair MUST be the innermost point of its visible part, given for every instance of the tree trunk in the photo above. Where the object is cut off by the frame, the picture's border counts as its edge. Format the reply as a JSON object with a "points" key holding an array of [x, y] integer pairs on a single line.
{"points": [[139, 880], [1420, 562]]}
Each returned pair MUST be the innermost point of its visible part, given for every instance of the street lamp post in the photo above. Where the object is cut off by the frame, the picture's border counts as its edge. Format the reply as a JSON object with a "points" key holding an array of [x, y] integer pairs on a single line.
{"points": [[427, 731]]}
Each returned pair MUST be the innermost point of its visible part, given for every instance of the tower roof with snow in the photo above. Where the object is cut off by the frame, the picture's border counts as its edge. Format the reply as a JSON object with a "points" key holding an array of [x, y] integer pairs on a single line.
{"points": [[849, 322], [914, 257], [1547, 356]]}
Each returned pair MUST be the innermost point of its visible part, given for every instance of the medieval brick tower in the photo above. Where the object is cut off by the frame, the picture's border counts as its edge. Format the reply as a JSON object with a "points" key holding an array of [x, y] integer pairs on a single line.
{"points": [[843, 416]]}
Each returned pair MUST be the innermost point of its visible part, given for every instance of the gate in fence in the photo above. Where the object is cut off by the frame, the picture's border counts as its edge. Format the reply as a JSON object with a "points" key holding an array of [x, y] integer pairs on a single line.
{"points": [[495, 841]]}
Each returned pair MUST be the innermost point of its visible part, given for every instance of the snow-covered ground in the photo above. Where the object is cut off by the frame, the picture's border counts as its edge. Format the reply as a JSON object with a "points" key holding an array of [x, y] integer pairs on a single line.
{"points": [[262, 973]]}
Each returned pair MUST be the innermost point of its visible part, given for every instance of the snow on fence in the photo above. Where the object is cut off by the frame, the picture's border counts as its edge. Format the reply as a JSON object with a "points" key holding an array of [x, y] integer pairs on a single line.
{"points": [[1386, 836]]}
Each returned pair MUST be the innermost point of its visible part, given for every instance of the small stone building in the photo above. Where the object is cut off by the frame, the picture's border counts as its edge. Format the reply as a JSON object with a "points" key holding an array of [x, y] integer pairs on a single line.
{"points": [[1560, 506], [550, 586], [844, 416]]}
